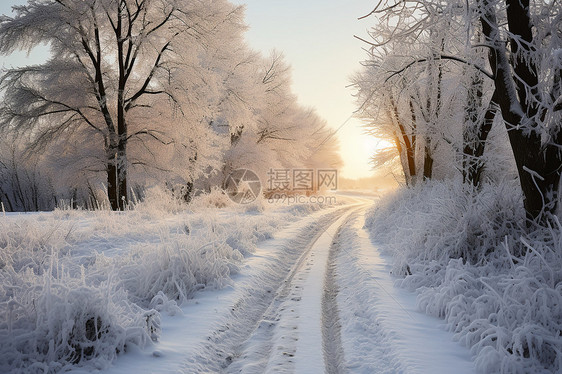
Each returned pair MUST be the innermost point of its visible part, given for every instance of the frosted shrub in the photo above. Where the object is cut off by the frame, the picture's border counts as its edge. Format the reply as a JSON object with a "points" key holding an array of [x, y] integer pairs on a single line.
{"points": [[161, 303], [178, 269], [217, 198], [160, 200], [498, 288], [443, 220], [48, 324]]}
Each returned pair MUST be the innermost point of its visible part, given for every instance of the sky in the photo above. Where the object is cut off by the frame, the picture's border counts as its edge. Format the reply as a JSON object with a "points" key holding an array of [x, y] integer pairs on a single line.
{"points": [[316, 38]]}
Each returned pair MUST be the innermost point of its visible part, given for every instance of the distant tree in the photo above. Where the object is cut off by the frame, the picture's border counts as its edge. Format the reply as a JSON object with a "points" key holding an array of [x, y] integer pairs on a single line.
{"points": [[24, 186]]}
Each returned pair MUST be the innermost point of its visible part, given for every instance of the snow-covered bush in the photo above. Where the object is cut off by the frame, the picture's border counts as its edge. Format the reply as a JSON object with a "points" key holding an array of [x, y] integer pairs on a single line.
{"points": [[160, 200], [51, 314], [467, 254], [442, 220], [178, 266], [217, 198]]}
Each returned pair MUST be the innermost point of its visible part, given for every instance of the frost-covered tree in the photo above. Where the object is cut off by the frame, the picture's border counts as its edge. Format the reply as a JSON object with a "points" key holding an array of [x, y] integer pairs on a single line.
{"points": [[506, 61], [152, 91], [114, 78], [276, 131], [408, 93], [525, 42]]}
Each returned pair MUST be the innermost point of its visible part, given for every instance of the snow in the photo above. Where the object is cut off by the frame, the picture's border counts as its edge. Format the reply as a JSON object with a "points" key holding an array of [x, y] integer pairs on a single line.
{"points": [[472, 262], [388, 334], [287, 289], [309, 356], [256, 333], [63, 271]]}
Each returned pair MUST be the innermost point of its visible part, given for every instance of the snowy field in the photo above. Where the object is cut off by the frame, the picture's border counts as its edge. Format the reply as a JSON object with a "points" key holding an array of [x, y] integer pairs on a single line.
{"points": [[250, 289], [79, 288], [263, 288]]}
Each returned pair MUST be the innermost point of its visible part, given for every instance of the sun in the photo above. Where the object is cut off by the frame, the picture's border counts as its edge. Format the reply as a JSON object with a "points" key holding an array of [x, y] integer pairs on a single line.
{"points": [[357, 149]]}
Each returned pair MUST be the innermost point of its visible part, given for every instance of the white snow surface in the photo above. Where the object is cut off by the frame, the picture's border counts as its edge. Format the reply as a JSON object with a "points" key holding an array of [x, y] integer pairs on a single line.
{"points": [[382, 328], [473, 262], [250, 290], [69, 276]]}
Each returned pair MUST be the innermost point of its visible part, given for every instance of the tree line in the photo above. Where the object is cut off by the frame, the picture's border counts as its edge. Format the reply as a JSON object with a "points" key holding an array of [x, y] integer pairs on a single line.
{"points": [[141, 92]]}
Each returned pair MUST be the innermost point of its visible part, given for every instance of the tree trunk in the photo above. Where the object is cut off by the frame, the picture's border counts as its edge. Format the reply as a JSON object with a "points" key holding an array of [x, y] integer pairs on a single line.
{"points": [[112, 185], [409, 150], [539, 174], [121, 121], [123, 192], [427, 163], [123, 199], [538, 165], [188, 192], [400, 149], [473, 150]]}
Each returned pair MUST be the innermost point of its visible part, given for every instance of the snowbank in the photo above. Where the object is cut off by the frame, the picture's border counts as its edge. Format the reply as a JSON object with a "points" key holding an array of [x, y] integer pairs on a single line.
{"points": [[465, 252], [79, 288]]}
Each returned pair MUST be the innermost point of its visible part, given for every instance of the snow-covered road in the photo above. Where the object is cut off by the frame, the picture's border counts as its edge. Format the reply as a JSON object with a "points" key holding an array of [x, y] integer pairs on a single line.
{"points": [[316, 298]]}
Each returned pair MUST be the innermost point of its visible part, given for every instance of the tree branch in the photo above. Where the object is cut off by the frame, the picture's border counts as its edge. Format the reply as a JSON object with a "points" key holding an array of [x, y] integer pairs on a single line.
{"points": [[130, 101], [441, 57]]}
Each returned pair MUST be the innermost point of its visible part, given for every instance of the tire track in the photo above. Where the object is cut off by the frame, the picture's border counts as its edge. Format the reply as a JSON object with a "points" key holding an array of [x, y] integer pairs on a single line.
{"points": [[258, 305], [331, 325]]}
